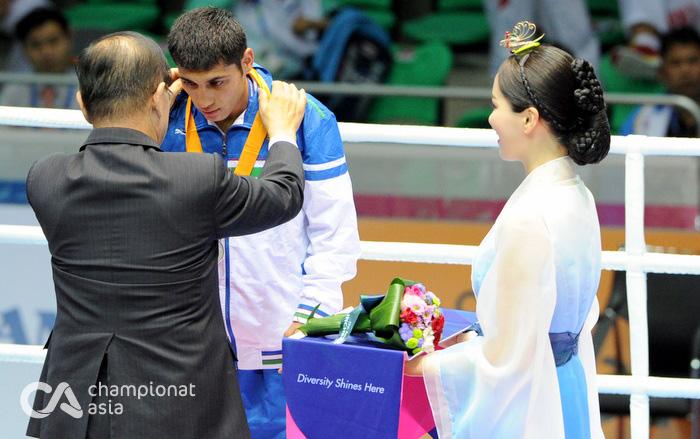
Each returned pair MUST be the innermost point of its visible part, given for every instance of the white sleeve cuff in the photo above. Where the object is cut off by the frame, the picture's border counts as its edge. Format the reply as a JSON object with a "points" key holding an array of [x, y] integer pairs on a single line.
{"points": [[276, 139]]}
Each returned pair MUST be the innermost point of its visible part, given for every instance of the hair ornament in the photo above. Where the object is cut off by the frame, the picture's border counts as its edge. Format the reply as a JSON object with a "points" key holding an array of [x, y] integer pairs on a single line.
{"points": [[520, 39]]}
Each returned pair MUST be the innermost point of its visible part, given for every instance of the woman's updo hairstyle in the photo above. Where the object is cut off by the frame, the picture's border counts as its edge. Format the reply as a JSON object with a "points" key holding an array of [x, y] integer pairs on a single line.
{"points": [[567, 94]]}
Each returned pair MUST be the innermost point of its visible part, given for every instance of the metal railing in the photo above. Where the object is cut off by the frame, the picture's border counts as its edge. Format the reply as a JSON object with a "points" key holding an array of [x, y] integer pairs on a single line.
{"points": [[471, 93]]}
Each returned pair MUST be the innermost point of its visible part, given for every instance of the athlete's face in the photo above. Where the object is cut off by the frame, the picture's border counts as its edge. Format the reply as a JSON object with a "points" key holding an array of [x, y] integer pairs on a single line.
{"points": [[220, 92]]}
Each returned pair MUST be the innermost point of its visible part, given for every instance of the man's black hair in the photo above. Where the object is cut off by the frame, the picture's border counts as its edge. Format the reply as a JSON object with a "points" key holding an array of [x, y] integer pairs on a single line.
{"points": [[202, 38], [37, 18], [682, 35]]}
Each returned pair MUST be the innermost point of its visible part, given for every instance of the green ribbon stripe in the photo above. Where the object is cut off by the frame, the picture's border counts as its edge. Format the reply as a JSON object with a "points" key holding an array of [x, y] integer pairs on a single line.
{"points": [[377, 314]]}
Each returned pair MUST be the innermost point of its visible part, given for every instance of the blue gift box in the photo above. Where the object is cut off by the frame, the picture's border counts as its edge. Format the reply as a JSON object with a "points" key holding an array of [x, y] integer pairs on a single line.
{"points": [[356, 389]]}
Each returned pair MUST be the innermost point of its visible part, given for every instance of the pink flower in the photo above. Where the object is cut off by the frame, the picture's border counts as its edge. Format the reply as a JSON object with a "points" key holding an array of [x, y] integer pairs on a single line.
{"points": [[415, 303], [412, 291]]}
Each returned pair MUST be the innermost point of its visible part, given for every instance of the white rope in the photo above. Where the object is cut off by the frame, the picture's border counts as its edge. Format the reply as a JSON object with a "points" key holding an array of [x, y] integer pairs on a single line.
{"points": [[32, 235], [653, 386], [434, 253], [414, 252], [376, 133], [22, 353], [43, 118], [613, 384]]}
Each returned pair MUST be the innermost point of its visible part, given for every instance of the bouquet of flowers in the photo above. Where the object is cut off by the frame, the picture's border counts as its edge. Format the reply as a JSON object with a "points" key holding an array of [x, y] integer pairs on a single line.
{"points": [[407, 317], [421, 319]]}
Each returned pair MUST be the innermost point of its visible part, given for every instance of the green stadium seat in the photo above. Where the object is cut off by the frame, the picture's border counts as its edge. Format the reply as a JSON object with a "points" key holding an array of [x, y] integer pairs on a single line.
{"points": [[449, 27], [475, 118], [379, 10], [609, 30], [372, 4], [605, 15], [614, 81], [141, 2], [386, 19], [194, 4], [411, 68], [113, 16], [169, 19], [603, 7], [451, 5]]}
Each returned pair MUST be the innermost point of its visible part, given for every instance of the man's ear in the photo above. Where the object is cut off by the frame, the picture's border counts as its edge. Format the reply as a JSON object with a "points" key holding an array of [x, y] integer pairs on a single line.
{"points": [[79, 98], [530, 118], [247, 60], [161, 90]]}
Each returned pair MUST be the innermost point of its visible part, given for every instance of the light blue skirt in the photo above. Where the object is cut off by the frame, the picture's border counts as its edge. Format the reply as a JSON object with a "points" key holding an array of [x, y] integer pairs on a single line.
{"points": [[574, 399]]}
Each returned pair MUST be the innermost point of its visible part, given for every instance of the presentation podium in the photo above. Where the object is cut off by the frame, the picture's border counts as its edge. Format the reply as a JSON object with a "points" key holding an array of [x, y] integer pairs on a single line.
{"points": [[356, 389]]}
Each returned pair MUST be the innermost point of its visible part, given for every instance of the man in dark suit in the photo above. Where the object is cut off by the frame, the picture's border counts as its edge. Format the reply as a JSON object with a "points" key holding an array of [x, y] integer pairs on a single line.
{"points": [[133, 232]]}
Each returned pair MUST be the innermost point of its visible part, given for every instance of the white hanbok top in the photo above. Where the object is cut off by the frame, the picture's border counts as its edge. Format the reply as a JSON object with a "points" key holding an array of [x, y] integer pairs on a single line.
{"points": [[536, 272]]}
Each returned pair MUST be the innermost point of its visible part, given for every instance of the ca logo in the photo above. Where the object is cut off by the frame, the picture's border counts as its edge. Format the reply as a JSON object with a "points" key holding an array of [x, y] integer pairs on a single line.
{"points": [[72, 408]]}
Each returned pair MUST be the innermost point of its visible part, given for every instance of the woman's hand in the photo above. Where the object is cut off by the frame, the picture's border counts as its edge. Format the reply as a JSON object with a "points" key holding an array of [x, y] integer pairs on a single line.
{"points": [[414, 367], [459, 338]]}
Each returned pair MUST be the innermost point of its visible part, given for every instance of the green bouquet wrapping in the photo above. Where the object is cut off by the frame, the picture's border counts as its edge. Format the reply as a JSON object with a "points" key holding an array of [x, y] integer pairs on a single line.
{"points": [[407, 317]]}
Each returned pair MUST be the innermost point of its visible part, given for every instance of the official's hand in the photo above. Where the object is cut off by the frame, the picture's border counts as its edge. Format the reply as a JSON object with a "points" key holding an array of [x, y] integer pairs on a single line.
{"points": [[291, 330], [176, 86], [282, 110]]}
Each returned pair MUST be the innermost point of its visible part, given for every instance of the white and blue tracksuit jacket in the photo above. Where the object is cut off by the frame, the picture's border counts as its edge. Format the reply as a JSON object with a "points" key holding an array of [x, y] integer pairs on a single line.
{"points": [[271, 278]]}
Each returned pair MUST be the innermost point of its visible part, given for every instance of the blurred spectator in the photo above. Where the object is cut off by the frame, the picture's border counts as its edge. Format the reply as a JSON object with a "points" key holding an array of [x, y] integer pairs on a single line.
{"points": [[680, 74], [283, 33], [11, 12], [566, 23], [46, 41], [644, 22]]}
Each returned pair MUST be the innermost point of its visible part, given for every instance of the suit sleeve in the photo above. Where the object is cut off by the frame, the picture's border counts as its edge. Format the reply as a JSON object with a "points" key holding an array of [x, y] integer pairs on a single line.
{"points": [[245, 205], [28, 183]]}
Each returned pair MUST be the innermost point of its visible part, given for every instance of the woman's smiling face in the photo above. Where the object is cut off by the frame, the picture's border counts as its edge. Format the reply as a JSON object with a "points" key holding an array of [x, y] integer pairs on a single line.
{"points": [[507, 124]]}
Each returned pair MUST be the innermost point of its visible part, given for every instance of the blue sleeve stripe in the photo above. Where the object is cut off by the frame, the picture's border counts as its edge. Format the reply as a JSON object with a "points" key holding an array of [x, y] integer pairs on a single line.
{"points": [[271, 352], [326, 173]]}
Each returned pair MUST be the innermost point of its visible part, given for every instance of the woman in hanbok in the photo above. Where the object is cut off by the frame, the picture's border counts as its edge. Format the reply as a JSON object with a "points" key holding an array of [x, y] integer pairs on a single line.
{"points": [[530, 372]]}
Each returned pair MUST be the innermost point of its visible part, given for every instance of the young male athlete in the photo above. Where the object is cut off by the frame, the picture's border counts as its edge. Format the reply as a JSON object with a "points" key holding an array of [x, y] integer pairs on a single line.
{"points": [[271, 281]]}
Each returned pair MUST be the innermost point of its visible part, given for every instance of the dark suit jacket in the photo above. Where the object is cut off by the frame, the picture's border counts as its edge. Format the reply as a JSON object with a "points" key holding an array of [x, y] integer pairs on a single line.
{"points": [[133, 234]]}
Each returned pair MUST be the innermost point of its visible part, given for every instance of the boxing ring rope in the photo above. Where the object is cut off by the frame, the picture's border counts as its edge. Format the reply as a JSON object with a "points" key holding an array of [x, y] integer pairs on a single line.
{"points": [[635, 260]]}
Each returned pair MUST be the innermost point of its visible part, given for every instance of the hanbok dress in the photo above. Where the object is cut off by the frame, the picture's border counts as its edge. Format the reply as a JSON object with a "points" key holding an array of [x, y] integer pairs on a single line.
{"points": [[532, 372]]}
